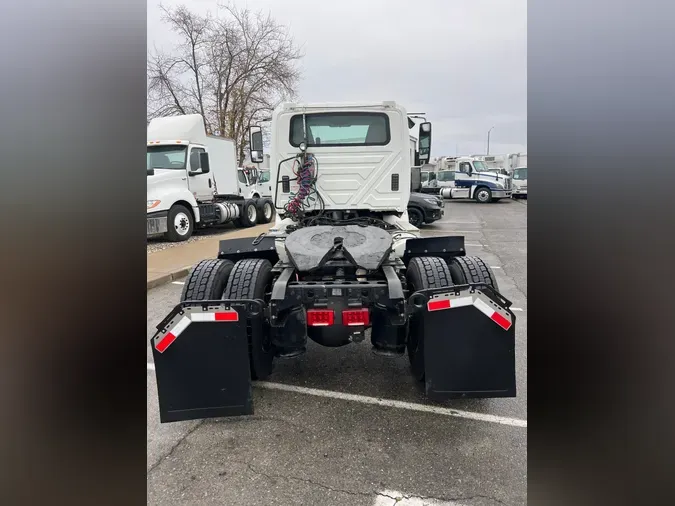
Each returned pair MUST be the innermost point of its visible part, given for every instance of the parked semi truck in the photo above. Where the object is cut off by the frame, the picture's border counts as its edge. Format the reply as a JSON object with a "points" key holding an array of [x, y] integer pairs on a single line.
{"points": [[341, 264], [468, 178], [254, 183], [192, 181]]}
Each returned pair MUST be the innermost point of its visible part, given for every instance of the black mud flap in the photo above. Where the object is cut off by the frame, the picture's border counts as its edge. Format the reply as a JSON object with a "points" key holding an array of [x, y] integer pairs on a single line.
{"points": [[469, 342], [201, 360]]}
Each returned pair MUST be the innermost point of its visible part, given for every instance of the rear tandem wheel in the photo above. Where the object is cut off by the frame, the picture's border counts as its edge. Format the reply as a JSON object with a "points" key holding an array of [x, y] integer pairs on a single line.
{"points": [[252, 279], [423, 273], [207, 280]]}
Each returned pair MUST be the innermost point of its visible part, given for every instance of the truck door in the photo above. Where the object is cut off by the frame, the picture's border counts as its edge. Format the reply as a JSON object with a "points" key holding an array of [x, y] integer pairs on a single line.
{"points": [[264, 185], [201, 185], [463, 181]]}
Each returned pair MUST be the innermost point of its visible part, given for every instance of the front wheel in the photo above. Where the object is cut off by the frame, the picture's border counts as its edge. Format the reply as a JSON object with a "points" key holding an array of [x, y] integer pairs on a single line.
{"points": [[180, 224], [415, 217], [483, 195], [422, 273]]}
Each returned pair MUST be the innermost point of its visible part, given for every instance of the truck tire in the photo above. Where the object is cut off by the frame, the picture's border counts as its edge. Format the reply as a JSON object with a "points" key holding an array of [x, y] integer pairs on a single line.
{"points": [[207, 280], [415, 217], [180, 224], [483, 195], [422, 273], [252, 279], [471, 270], [249, 214], [266, 211]]}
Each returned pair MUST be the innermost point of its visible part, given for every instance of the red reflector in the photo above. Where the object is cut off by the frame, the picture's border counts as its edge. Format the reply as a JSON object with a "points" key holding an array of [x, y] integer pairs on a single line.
{"points": [[320, 317], [165, 342], [227, 316], [436, 305], [501, 321], [354, 317]]}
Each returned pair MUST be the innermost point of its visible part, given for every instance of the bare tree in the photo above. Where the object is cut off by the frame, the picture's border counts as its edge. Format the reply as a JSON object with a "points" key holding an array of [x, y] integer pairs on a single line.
{"points": [[232, 68]]}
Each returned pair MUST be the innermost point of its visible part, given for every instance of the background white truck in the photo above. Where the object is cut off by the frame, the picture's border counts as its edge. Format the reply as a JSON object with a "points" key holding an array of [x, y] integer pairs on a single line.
{"points": [[520, 182], [254, 183], [508, 162], [466, 177], [192, 180]]}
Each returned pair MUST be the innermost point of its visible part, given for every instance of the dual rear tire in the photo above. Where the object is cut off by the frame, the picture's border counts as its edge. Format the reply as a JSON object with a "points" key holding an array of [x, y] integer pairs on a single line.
{"points": [[433, 272], [247, 279]]}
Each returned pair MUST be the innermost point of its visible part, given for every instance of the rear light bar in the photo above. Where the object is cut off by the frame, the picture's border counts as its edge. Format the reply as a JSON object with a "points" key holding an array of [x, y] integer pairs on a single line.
{"points": [[326, 317], [355, 317], [320, 317]]}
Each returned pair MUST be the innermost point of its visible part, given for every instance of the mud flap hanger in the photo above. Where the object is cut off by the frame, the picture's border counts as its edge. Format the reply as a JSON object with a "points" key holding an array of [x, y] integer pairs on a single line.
{"points": [[201, 359], [480, 295], [468, 341]]}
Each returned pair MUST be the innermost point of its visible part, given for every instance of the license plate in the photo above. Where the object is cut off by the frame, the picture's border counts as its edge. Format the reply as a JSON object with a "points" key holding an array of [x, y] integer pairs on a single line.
{"points": [[156, 226]]}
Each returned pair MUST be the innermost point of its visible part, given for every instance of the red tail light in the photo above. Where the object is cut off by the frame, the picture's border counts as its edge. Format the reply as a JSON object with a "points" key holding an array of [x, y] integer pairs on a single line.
{"points": [[355, 317], [320, 317]]}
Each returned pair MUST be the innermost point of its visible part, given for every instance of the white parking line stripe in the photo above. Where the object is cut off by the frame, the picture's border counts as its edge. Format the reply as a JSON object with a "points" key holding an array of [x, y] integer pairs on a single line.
{"points": [[178, 282], [517, 309], [410, 406], [495, 267], [386, 497]]}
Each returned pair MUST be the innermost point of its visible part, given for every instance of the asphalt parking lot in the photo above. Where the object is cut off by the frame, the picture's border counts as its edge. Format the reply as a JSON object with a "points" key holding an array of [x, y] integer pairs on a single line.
{"points": [[328, 448]]}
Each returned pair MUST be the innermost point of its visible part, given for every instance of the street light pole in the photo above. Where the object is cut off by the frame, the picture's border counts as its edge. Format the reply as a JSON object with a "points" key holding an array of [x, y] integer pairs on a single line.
{"points": [[488, 146]]}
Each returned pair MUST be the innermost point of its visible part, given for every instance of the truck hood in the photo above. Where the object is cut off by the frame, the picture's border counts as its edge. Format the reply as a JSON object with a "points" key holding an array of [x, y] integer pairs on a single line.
{"points": [[423, 199], [492, 175], [162, 175]]}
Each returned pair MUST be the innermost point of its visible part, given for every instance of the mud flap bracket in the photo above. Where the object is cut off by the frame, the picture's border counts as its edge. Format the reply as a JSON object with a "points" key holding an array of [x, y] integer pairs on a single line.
{"points": [[469, 342], [201, 359]]}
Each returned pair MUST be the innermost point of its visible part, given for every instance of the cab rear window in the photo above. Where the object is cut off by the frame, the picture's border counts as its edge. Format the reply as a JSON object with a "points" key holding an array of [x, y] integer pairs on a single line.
{"points": [[341, 129]]}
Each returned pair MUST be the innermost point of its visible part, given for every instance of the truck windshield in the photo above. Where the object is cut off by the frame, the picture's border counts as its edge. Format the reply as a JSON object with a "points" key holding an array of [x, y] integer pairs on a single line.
{"points": [[446, 175], [520, 174], [479, 166], [166, 157], [341, 129]]}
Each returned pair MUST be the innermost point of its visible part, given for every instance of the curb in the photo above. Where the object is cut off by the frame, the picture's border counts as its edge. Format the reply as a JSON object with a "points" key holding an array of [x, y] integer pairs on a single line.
{"points": [[167, 278]]}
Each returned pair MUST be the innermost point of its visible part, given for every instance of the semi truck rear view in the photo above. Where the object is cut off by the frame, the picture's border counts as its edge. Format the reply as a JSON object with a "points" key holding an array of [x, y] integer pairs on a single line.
{"points": [[342, 266], [192, 180]]}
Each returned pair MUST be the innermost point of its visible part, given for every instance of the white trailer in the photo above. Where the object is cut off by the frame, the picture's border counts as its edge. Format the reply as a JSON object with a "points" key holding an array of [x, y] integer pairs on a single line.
{"points": [[192, 180]]}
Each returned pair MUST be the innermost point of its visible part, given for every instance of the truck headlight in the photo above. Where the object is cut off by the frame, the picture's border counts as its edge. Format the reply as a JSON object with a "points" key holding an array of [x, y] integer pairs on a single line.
{"points": [[432, 201], [153, 203]]}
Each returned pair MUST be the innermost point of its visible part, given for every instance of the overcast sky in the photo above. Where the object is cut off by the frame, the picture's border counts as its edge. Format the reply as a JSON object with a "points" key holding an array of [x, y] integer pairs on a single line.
{"points": [[462, 62]]}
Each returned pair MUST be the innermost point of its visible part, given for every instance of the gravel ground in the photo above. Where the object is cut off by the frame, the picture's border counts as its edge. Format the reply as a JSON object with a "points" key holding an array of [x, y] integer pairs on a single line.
{"points": [[158, 244]]}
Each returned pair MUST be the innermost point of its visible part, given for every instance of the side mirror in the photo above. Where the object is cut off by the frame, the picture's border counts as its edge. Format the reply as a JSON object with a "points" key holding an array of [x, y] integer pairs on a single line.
{"points": [[204, 163], [255, 142], [424, 142]]}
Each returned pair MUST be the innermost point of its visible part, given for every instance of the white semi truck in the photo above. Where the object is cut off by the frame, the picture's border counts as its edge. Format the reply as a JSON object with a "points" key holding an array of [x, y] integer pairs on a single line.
{"points": [[466, 177], [254, 183], [192, 181], [342, 264]]}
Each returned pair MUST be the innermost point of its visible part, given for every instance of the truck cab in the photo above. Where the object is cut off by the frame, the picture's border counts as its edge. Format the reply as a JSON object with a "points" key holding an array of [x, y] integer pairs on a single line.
{"points": [[520, 182], [364, 154]]}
